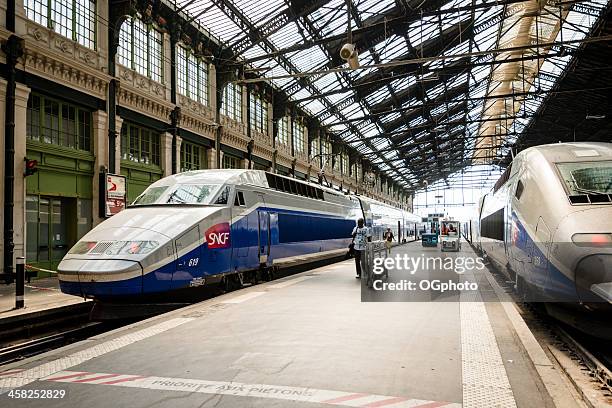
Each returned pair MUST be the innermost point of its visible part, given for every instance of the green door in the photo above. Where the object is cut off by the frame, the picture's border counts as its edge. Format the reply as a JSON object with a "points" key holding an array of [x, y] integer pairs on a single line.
{"points": [[49, 232]]}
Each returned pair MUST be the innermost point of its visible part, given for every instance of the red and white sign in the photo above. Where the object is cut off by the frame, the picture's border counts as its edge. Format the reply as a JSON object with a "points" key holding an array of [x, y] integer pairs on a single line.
{"points": [[116, 196], [218, 236]]}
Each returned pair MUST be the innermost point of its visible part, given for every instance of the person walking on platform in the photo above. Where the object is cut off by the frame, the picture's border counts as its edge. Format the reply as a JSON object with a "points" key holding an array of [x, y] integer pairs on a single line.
{"points": [[388, 240], [360, 235]]}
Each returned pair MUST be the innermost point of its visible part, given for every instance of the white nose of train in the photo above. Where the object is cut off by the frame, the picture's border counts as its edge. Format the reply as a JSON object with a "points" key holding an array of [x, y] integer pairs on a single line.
{"points": [[582, 249], [115, 257]]}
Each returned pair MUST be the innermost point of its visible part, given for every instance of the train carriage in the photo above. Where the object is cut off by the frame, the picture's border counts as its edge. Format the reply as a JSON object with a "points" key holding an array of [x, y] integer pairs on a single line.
{"points": [[548, 225], [200, 227]]}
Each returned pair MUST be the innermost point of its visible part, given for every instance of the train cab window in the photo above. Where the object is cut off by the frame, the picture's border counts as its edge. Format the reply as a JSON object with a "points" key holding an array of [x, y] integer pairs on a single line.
{"points": [[223, 196], [239, 199], [519, 190]]}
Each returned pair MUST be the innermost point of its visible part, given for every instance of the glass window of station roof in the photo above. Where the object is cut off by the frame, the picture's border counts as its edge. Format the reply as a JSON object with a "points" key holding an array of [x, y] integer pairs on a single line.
{"points": [[432, 88]]}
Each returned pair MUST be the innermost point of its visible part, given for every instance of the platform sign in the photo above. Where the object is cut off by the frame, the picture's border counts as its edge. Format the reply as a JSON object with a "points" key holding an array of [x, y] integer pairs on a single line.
{"points": [[115, 194]]}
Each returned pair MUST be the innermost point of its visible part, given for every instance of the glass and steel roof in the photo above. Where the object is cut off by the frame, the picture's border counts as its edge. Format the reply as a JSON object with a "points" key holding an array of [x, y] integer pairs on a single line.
{"points": [[442, 84]]}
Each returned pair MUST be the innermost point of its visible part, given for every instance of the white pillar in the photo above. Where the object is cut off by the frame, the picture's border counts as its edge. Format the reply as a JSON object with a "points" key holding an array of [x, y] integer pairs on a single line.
{"points": [[166, 153], [22, 93], [211, 158], [100, 150], [118, 125], [179, 141]]}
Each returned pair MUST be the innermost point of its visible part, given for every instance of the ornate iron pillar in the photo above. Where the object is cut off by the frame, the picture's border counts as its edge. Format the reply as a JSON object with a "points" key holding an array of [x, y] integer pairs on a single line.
{"points": [[13, 48]]}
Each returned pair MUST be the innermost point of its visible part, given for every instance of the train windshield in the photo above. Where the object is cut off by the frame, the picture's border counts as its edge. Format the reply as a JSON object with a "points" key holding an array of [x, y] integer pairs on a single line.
{"points": [[587, 177], [178, 194]]}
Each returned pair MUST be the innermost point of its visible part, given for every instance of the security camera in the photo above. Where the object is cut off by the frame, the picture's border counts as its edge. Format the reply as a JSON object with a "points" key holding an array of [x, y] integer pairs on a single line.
{"points": [[349, 54]]}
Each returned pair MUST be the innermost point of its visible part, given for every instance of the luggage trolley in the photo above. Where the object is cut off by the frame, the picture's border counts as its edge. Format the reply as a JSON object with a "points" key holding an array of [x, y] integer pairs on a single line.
{"points": [[450, 236]]}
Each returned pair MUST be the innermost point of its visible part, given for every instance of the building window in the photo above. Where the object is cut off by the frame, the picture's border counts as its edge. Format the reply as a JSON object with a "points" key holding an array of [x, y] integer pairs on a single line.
{"points": [[192, 157], [336, 162], [259, 113], [232, 102], [74, 19], [51, 121], [345, 163], [231, 162], [283, 131], [325, 149], [139, 145], [141, 49], [192, 75], [298, 136], [314, 148], [356, 171]]}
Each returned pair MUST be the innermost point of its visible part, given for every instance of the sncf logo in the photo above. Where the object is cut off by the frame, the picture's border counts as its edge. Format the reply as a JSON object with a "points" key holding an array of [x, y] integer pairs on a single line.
{"points": [[218, 236]]}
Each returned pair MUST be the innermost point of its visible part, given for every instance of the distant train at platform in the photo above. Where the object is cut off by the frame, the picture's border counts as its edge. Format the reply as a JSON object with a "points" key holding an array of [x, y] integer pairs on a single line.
{"points": [[547, 224], [209, 226]]}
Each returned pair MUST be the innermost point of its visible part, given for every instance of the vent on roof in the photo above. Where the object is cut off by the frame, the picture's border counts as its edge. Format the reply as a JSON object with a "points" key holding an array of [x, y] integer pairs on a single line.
{"points": [[292, 186], [590, 198]]}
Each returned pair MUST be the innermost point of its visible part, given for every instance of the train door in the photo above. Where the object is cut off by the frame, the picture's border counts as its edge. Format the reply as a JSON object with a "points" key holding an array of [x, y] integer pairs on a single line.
{"points": [[263, 218], [539, 254], [264, 236], [53, 227], [188, 259]]}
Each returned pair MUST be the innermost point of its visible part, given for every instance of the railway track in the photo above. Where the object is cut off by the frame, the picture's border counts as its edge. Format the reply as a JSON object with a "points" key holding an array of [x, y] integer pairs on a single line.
{"points": [[40, 345], [594, 356]]}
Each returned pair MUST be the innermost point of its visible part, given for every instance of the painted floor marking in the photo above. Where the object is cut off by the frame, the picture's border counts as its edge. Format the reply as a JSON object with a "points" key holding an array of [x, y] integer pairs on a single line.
{"points": [[243, 298], [289, 282], [484, 378], [11, 379], [299, 394]]}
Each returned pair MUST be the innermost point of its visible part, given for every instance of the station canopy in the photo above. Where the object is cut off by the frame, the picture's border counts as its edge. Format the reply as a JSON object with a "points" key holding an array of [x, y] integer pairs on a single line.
{"points": [[442, 86]]}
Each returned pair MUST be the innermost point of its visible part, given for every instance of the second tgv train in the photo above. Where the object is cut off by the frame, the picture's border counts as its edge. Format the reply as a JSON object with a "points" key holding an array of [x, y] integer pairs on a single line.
{"points": [[548, 224], [207, 226]]}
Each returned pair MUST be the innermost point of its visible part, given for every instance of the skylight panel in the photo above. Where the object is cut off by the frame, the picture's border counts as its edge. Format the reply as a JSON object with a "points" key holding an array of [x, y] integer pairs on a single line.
{"points": [[368, 8], [286, 36]]}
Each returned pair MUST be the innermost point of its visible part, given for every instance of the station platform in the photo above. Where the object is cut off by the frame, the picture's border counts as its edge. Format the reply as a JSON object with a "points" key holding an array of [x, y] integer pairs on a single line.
{"points": [[307, 340], [40, 295]]}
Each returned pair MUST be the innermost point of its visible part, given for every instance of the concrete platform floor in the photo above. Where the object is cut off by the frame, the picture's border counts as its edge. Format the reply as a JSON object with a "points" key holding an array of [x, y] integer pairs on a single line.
{"points": [[40, 294], [303, 341]]}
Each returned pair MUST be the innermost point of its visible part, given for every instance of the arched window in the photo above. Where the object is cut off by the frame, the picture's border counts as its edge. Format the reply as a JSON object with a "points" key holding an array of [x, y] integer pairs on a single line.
{"points": [[314, 148], [74, 19], [259, 113], [192, 75], [298, 136], [283, 131], [232, 101], [141, 49], [192, 157]]}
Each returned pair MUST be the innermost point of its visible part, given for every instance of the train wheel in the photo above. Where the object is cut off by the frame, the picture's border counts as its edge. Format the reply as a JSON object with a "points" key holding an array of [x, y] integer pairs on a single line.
{"points": [[226, 284]]}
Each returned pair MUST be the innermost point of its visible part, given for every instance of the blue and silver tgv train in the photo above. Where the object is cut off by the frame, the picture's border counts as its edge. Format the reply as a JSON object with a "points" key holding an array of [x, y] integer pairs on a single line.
{"points": [[199, 227], [548, 224]]}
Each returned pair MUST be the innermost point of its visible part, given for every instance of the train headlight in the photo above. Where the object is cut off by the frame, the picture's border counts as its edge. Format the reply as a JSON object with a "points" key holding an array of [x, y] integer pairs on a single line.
{"points": [[82, 247], [131, 247], [593, 240]]}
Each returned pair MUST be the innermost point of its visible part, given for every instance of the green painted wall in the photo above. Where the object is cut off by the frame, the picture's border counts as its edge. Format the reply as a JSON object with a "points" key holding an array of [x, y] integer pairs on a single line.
{"points": [[139, 177], [61, 171]]}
